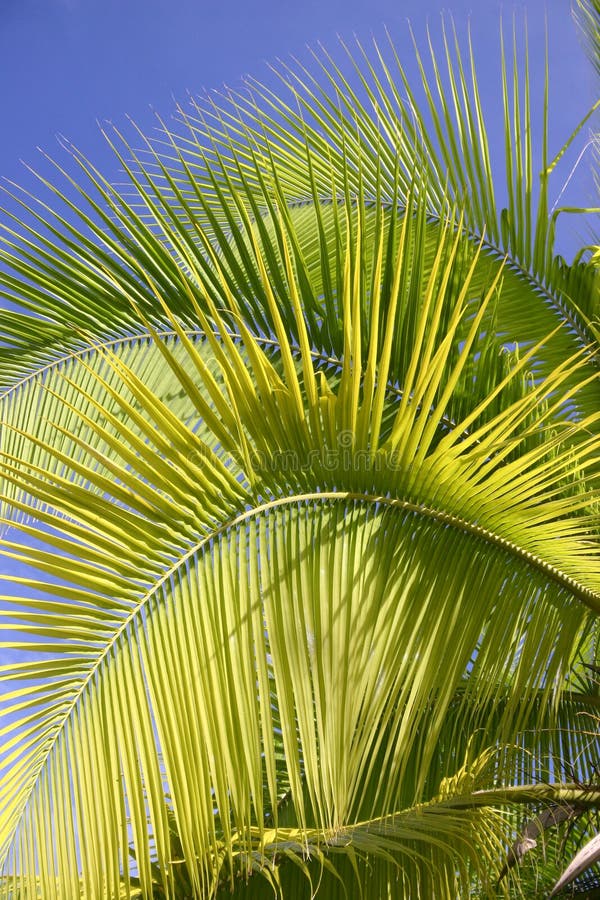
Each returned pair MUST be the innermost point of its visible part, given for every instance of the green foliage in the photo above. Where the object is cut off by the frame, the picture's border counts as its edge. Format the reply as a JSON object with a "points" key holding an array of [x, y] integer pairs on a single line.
{"points": [[300, 444]]}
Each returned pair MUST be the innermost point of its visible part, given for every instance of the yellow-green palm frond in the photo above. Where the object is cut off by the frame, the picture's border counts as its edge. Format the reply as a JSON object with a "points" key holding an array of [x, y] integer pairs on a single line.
{"points": [[228, 631], [313, 517]]}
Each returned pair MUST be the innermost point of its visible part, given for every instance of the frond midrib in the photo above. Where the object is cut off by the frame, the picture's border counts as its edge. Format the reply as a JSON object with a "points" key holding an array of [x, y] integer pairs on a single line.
{"points": [[542, 288], [271, 343]]}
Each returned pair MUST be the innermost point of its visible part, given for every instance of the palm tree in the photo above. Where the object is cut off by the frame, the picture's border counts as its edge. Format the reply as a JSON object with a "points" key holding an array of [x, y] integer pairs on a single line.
{"points": [[300, 446]]}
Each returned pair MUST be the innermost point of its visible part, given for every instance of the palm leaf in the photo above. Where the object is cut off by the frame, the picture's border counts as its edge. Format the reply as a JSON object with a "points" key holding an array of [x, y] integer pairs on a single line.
{"points": [[273, 454]]}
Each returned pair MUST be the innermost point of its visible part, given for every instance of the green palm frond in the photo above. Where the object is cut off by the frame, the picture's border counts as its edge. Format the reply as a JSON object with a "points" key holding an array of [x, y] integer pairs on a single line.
{"points": [[587, 15], [305, 472]]}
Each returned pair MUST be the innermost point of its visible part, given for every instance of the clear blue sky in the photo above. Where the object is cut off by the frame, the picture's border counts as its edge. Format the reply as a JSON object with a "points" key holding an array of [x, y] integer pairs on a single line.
{"points": [[64, 64]]}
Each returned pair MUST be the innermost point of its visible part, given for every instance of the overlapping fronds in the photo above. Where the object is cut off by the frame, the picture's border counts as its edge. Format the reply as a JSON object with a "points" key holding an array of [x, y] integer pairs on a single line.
{"points": [[306, 476]]}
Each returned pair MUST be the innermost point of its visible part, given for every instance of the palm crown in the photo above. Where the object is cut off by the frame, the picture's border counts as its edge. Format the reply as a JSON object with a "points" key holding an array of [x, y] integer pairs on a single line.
{"points": [[301, 436]]}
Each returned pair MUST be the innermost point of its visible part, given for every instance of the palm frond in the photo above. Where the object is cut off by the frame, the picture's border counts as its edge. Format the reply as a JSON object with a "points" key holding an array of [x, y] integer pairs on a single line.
{"points": [[302, 506]]}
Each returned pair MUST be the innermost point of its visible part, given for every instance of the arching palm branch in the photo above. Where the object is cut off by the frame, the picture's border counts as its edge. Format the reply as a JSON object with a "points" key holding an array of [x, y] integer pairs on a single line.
{"points": [[301, 437]]}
